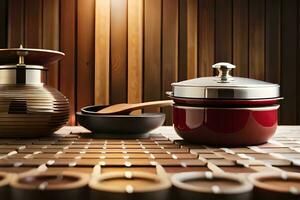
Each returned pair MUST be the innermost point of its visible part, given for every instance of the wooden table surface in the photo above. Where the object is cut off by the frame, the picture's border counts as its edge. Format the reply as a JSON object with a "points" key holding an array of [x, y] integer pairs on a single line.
{"points": [[74, 148]]}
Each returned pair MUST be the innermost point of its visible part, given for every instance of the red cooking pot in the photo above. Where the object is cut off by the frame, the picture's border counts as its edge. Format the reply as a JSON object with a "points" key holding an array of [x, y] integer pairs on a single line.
{"points": [[225, 110]]}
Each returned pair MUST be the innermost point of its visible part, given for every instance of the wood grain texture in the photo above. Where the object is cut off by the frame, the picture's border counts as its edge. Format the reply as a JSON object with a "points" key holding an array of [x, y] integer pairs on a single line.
{"points": [[298, 64], [3, 23], [68, 46], [273, 34], [118, 62], [102, 50], [240, 37], [152, 51], [135, 51], [182, 45], [223, 37], [273, 42], [192, 38], [15, 23], [169, 49], [257, 39], [50, 37], [85, 52], [289, 62], [188, 39], [33, 26], [206, 47]]}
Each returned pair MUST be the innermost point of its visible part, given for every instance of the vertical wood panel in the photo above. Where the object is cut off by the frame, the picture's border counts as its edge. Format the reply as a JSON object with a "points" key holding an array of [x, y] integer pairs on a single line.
{"points": [[15, 23], [223, 31], [257, 39], [240, 37], [85, 52], [206, 37], [33, 23], [192, 38], [51, 37], [102, 31], [135, 50], [182, 46], [169, 48], [3, 23], [289, 62], [273, 14], [152, 51], [68, 46], [298, 64], [188, 24], [118, 27]]}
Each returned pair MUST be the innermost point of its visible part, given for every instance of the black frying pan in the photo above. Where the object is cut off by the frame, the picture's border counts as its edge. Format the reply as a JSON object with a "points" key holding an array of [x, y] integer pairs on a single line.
{"points": [[118, 124]]}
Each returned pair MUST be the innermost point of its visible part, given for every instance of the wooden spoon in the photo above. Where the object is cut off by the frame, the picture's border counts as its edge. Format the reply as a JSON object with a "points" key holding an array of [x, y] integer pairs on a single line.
{"points": [[125, 108]]}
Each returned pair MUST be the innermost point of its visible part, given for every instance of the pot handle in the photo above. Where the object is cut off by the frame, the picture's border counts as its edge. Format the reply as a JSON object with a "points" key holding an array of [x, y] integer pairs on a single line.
{"points": [[169, 93], [224, 69]]}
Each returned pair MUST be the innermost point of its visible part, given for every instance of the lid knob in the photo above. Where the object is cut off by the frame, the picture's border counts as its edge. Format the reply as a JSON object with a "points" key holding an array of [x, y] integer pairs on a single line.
{"points": [[224, 69], [21, 55]]}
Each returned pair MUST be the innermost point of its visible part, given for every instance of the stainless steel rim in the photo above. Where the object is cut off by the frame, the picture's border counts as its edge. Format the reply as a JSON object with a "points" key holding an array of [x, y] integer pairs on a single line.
{"points": [[226, 93], [262, 108]]}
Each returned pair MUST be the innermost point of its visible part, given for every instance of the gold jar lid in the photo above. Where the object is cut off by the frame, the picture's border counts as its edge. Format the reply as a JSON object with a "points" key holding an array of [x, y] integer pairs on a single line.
{"points": [[29, 56]]}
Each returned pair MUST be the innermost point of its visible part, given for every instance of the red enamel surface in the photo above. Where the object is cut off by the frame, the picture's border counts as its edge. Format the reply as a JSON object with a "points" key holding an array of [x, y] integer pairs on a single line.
{"points": [[230, 127]]}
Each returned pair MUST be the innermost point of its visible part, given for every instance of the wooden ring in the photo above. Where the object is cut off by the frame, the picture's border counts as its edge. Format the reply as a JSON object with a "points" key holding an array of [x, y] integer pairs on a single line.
{"points": [[257, 180], [178, 180], [78, 180], [5, 179], [160, 183]]}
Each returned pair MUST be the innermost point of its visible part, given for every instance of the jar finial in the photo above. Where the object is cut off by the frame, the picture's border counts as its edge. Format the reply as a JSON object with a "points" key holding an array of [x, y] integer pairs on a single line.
{"points": [[21, 53]]}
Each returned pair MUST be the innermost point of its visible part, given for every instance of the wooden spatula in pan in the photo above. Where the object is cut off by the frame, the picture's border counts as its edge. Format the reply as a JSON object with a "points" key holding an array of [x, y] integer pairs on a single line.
{"points": [[126, 108]]}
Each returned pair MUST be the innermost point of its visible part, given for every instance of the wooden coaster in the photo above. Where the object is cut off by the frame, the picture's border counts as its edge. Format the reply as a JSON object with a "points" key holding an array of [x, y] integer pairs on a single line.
{"points": [[276, 185], [5, 179], [50, 185], [208, 185], [130, 185]]}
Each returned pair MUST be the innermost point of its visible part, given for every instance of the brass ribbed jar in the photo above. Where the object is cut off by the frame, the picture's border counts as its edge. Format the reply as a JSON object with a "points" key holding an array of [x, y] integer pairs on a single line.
{"points": [[29, 108]]}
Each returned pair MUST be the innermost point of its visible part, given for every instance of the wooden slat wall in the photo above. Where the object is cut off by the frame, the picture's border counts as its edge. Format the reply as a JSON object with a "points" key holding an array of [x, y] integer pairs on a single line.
{"points": [[15, 26], [67, 40], [135, 51], [192, 38], [3, 23], [33, 25], [118, 51], [223, 28], [289, 62], [102, 50], [257, 39], [152, 50], [206, 37], [240, 35], [50, 37], [132, 50], [169, 49], [85, 53], [298, 64]]}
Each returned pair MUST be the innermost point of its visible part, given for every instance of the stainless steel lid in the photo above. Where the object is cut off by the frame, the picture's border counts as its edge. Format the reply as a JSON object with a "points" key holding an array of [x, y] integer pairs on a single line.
{"points": [[225, 86]]}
